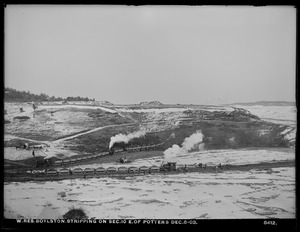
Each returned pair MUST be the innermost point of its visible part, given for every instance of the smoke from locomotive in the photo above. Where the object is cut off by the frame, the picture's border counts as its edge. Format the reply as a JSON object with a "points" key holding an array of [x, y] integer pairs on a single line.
{"points": [[195, 141], [126, 138]]}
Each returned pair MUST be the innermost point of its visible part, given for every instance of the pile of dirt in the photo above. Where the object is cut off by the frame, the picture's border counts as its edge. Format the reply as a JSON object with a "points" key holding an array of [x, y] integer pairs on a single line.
{"points": [[75, 214], [237, 115]]}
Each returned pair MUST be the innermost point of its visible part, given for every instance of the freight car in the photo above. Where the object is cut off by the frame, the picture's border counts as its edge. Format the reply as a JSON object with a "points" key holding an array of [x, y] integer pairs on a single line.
{"points": [[135, 149]]}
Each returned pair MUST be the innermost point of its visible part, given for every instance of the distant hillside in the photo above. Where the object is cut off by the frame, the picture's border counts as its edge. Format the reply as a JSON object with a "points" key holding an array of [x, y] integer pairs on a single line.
{"points": [[151, 103], [13, 95], [266, 103], [106, 103]]}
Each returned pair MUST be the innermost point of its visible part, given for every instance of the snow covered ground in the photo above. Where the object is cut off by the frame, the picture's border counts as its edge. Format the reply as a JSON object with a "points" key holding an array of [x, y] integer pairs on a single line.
{"points": [[11, 153], [77, 106], [218, 108], [253, 194], [156, 110], [286, 115]]}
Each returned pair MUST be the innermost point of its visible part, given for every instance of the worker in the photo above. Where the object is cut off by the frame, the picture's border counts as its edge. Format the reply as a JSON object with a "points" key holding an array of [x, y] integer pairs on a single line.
{"points": [[33, 153]]}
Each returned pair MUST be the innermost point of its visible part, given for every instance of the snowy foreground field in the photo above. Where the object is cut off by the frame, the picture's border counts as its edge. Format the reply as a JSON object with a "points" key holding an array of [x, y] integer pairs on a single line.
{"points": [[228, 195], [231, 194]]}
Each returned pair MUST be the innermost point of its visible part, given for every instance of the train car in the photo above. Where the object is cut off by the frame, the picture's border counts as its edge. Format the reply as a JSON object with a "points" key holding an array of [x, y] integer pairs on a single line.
{"points": [[64, 172], [122, 170], [38, 172], [190, 167], [66, 162], [89, 172], [154, 169], [100, 171], [100, 155], [210, 166], [79, 159], [111, 170], [52, 172], [133, 170], [89, 157], [84, 158], [144, 169], [180, 167], [130, 149], [58, 163], [77, 172], [73, 161]]}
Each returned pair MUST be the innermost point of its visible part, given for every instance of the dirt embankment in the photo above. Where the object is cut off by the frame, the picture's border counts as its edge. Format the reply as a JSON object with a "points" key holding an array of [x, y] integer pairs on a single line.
{"points": [[222, 128]]}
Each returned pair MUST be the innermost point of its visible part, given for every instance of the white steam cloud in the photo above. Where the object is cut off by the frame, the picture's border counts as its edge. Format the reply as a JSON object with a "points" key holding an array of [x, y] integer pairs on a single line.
{"points": [[195, 141], [126, 138]]}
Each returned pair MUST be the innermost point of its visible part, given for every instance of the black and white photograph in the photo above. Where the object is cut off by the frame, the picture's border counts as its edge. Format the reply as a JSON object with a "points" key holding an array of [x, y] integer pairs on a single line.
{"points": [[183, 113]]}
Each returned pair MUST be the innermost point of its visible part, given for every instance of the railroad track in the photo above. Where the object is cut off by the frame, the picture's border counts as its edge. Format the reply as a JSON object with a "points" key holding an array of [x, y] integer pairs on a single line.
{"points": [[122, 172], [71, 161], [100, 172]]}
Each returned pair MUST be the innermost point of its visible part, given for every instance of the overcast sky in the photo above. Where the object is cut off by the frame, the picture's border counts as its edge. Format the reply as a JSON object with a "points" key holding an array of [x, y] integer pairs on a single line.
{"points": [[173, 54]]}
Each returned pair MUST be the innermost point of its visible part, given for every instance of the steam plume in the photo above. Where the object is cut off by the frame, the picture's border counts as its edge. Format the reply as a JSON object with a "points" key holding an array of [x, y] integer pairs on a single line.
{"points": [[126, 138], [189, 143]]}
